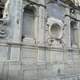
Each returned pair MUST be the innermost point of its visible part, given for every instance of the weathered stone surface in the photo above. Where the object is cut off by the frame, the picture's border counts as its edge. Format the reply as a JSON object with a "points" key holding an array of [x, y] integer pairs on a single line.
{"points": [[34, 58]]}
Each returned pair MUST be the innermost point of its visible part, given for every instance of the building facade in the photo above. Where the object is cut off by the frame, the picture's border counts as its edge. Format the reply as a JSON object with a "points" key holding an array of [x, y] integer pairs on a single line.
{"points": [[39, 40]]}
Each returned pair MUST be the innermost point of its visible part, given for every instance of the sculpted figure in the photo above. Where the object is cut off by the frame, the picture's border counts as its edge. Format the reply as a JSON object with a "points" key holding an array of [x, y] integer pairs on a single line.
{"points": [[6, 9], [76, 2]]}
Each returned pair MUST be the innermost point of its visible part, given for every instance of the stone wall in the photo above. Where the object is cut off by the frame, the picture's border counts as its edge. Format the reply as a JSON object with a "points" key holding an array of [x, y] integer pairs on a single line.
{"points": [[43, 57]]}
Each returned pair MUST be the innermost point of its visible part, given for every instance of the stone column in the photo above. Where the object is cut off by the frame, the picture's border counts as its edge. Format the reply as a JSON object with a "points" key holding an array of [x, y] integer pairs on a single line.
{"points": [[41, 25], [67, 35], [16, 24], [78, 26], [36, 23], [41, 33]]}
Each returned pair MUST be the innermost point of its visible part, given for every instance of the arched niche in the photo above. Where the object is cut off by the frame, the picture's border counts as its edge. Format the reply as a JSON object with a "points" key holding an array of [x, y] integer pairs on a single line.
{"points": [[28, 21]]}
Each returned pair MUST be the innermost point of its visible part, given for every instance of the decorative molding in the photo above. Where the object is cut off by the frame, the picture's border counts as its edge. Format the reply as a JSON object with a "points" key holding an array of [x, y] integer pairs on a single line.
{"points": [[3, 33], [55, 28]]}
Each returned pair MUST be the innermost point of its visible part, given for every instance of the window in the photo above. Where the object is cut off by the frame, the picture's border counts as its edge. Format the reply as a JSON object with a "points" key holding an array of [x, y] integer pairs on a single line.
{"points": [[73, 28], [73, 34], [28, 22]]}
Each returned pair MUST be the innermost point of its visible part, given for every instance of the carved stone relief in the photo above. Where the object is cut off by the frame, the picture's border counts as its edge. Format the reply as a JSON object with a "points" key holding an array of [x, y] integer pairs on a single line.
{"points": [[55, 31], [4, 19], [55, 28], [6, 9]]}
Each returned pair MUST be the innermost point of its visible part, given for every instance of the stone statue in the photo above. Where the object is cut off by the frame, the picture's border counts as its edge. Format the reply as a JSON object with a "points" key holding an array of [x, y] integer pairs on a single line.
{"points": [[76, 2], [6, 9]]}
